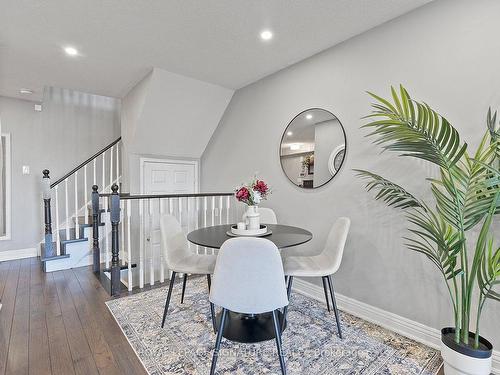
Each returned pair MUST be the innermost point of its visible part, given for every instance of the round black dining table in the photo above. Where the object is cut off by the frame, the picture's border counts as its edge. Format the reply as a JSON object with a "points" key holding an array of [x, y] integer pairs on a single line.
{"points": [[249, 328]]}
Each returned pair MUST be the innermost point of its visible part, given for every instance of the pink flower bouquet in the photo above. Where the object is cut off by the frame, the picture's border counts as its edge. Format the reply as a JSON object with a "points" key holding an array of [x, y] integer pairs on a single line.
{"points": [[252, 193]]}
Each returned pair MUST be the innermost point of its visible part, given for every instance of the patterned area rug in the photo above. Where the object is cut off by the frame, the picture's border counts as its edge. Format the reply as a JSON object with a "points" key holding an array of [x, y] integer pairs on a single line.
{"points": [[185, 345]]}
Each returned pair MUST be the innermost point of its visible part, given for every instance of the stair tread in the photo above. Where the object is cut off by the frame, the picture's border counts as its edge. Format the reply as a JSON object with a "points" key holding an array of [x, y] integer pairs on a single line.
{"points": [[44, 258], [81, 220], [122, 267], [72, 236]]}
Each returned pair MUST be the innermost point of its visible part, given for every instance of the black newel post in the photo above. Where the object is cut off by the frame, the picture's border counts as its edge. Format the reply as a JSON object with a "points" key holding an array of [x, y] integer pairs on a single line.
{"points": [[95, 229], [115, 259], [50, 250]]}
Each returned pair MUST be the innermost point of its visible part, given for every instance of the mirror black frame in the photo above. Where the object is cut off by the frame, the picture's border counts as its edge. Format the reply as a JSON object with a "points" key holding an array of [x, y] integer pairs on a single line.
{"points": [[283, 137]]}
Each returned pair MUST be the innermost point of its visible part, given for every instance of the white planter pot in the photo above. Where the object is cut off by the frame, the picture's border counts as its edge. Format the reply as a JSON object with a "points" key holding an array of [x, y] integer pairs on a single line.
{"points": [[462, 360]]}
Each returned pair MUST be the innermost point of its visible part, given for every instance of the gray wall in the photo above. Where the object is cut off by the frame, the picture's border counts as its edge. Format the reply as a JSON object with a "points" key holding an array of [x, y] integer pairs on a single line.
{"points": [[42, 144], [445, 53]]}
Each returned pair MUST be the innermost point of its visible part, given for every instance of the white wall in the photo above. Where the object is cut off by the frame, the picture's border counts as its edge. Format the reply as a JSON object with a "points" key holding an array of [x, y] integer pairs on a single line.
{"points": [[169, 115], [445, 53], [58, 146]]}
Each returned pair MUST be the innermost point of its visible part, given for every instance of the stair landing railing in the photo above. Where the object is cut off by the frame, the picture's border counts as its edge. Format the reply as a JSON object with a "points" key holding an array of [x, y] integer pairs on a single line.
{"points": [[132, 257], [101, 168]]}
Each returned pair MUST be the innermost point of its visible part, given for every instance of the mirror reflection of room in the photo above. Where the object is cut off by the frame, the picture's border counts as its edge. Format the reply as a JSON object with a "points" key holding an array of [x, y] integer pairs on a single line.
{"points": [[312, 149]]}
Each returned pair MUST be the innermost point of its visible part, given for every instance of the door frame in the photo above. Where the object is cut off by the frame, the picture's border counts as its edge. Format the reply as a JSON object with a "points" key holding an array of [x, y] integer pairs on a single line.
{"points": [[196, 163], [8, 186]]}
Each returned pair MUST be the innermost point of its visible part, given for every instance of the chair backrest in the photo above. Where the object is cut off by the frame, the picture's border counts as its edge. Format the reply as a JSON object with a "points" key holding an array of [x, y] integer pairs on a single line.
{"points": [[174, 244], [248, 276], [267, 216], [335, 243]]}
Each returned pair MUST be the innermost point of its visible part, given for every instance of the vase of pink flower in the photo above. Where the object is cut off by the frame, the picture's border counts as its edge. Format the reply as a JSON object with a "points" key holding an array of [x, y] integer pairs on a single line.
{"points": [[252, 194]]}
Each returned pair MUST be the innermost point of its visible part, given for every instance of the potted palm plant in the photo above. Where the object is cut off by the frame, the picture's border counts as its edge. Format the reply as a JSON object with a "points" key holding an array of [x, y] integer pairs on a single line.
{"points": [[466, 197]]}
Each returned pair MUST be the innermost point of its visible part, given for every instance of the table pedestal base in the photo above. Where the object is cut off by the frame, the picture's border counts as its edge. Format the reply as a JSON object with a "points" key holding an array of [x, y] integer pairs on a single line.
{"points": [[247, 328]]}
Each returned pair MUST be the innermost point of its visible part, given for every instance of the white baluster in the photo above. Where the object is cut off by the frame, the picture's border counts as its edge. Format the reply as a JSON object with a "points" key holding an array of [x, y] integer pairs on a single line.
{"points": [[141, 248], [122, 228], [205, 208], [66, 207], [197, 220], [86, 211], [58, 240], [129, 247], [94, 173], [111, 166], [151, 250], [213, 210], [220, 209], [77, 227], [103, 187], [162, 260], [118, 174], [107, 229], [179, 207], [188, 215]]}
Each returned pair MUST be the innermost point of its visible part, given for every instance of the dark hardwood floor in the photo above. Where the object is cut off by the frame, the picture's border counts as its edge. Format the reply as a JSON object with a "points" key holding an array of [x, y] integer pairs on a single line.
{"points": [[57, 323]]}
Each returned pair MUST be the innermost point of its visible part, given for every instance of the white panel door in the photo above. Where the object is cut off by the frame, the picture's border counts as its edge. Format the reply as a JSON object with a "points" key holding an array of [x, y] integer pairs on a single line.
{"points": [[169, 178], [166, 177]]}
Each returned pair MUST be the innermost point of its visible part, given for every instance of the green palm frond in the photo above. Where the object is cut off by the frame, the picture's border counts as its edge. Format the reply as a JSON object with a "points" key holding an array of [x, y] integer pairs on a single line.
{"points": [[414, 129], [494, 129], [465, 193], [489, 272], [435, 238], [389, 192]]}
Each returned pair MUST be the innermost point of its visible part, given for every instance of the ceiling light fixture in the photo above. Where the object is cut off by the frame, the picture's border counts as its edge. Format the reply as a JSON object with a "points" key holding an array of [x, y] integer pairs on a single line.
{"points": [[266, 35], [26, 91], [289, 134], [71, 51], [309, 116]]}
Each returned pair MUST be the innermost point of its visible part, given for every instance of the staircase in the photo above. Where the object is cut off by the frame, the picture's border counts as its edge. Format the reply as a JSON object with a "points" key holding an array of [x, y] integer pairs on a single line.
{"points": [[68, 238]]}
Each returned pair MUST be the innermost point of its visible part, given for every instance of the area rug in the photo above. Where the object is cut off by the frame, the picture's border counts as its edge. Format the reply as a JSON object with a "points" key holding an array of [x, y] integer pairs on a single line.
{"points": [[311, 344]]}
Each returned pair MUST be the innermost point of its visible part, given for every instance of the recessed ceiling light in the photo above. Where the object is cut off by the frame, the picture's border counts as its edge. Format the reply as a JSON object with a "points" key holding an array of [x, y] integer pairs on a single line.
{"points": [[289, 134], [309, 116], [71, 51], [26, 91], [266, 35]]}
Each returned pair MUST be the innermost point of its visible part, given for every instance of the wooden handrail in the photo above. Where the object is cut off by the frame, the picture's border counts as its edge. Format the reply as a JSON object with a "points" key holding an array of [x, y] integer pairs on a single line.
{"points": [[81, 165], [156, 196]]}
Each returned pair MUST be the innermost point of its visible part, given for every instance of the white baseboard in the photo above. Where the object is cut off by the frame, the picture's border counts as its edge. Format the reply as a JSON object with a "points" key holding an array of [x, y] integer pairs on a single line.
{"points": [[18, 254], [406, 327]]}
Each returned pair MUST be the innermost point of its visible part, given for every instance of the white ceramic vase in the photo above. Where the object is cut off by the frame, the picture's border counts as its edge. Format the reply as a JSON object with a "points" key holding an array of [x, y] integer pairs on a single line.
{"points": [[253, 217], [456, 362]]}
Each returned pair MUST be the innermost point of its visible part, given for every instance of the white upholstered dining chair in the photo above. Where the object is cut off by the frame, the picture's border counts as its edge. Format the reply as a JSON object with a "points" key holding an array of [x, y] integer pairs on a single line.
{"points": [[249, 279], [180, 259], [267, 216], [323, 265]]}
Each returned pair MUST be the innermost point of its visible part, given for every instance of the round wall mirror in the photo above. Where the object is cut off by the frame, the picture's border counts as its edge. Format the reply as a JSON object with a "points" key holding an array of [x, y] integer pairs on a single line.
{"points": [[313, 148]]}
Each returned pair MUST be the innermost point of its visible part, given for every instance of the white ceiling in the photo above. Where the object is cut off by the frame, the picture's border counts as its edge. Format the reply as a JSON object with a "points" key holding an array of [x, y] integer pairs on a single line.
{"points": [[215, 41]]}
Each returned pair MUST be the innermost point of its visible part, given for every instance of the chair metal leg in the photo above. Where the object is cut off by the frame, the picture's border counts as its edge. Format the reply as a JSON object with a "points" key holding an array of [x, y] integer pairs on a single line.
{"points": [[277, 333], [212, 313], [218, 341], [285, 310], [335, 310], [326, 293], [209, 282], [167, 302], [184, 281]]}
